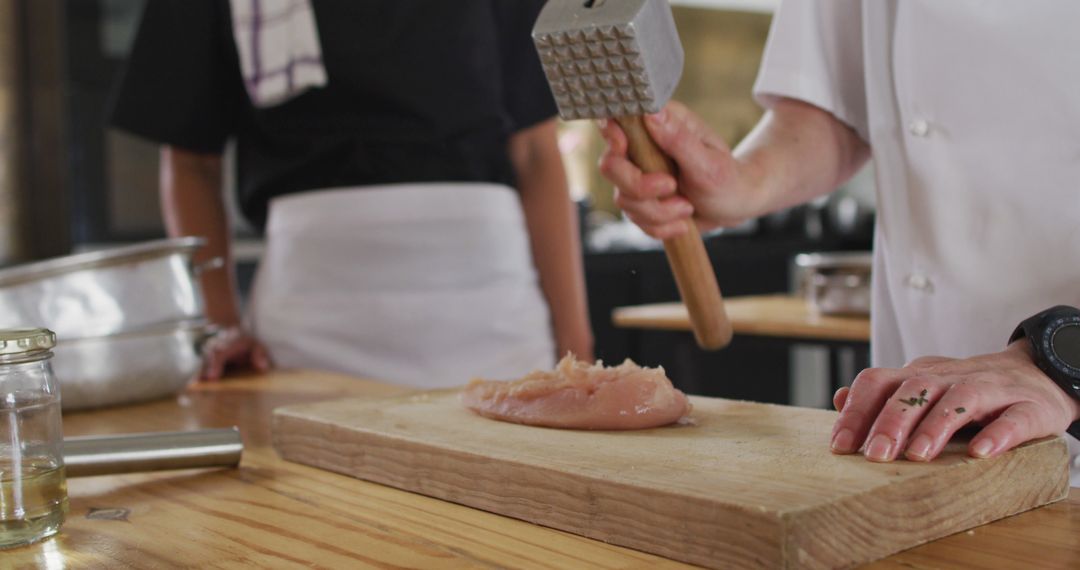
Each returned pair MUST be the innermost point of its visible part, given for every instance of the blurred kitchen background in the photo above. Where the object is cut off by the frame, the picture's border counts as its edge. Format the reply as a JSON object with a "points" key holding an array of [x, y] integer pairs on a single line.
{"points": [[67, 183]]}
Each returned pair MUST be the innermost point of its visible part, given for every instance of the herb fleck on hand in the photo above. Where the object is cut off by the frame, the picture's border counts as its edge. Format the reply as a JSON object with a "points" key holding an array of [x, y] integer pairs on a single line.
{"points": [[913, 401]]}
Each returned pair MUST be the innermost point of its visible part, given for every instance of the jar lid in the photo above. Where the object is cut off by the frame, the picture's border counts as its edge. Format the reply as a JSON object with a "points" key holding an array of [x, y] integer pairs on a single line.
{"points": [[25, 341]]}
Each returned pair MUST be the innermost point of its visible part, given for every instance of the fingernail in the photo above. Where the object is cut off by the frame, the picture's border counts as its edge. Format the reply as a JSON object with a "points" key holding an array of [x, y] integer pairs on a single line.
{"points": [[983, 447], [843, 441], [919, 449], [658, 119], [880, 448]]}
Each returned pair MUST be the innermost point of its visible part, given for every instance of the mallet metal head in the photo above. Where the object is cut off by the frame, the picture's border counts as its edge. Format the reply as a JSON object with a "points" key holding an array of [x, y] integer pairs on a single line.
{"points": [[609, 58]]}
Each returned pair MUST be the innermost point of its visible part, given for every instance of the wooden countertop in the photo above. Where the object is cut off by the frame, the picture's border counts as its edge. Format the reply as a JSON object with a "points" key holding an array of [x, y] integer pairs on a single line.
{"points": [[784, 316], [271, 513]]}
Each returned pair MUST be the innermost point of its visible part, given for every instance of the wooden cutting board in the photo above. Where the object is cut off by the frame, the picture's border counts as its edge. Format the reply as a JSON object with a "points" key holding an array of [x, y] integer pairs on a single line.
{"points": [[749, 485]]}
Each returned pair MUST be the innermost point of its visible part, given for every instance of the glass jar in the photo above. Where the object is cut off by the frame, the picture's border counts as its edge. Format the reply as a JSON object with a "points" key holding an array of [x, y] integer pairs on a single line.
{"points": [[33, 492]]}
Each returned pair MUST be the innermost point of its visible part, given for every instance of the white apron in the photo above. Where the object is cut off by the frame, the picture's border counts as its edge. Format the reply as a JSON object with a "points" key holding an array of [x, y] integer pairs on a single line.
{"points": [[422, 285], [973, 113]]}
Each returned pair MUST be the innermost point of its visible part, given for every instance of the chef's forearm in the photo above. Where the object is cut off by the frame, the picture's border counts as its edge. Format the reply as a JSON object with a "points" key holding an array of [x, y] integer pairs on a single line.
{"points": [[798, 152], [192, 205], [553, 230]]}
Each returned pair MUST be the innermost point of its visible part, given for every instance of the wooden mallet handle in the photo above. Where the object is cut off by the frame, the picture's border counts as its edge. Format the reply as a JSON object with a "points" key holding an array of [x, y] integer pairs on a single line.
{"points": [[686, 254]]}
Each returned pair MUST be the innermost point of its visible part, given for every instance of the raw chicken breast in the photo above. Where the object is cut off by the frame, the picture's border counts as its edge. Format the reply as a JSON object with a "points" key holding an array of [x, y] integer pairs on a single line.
{"points": [[577, 395]]}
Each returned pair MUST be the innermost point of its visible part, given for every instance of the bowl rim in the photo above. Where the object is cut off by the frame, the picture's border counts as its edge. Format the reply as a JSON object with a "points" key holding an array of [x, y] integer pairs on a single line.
{"points": [[197, 326], [28, 272]]}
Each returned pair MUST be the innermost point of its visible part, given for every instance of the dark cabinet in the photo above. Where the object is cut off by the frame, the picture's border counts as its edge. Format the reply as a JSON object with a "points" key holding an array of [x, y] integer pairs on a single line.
{"points": [[749, 368]]}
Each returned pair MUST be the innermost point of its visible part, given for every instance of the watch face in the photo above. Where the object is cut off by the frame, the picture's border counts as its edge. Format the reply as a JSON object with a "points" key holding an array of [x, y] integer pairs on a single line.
{"points": [[1066, 344]]}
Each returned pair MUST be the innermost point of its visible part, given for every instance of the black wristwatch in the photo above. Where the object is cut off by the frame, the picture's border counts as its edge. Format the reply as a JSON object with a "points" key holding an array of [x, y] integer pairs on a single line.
{"points": [[1055, 341]]}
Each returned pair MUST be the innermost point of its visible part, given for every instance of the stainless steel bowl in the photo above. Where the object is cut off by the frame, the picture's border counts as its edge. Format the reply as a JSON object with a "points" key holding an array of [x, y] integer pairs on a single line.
{"points": [[104, 292], [128, 367], [836, 283]]}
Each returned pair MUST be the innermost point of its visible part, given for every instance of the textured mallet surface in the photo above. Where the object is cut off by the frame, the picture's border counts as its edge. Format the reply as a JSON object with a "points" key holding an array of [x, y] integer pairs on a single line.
{"points": [[596, 72], [617, 58]]}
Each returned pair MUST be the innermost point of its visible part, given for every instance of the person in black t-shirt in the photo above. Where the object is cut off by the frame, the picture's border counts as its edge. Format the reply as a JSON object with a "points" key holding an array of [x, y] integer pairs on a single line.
{"points": [[444, 101]]}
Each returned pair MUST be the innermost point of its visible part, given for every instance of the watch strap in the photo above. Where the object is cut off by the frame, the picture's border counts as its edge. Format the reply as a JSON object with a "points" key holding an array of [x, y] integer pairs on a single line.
{"points": [[1032, 328]]}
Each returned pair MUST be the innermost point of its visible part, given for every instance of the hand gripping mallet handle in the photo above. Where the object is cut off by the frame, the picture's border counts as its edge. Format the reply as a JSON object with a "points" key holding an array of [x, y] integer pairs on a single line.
{"points": [[694, 274], [621, 59]]}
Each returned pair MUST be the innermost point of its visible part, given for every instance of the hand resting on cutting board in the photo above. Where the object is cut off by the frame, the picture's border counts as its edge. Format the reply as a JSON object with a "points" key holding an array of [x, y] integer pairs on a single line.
{"points": [[577, 395], [916, 409]]}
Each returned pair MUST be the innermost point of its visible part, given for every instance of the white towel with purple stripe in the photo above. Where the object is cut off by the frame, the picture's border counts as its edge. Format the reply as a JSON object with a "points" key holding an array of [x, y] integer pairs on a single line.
{"points": [[278, 45]]}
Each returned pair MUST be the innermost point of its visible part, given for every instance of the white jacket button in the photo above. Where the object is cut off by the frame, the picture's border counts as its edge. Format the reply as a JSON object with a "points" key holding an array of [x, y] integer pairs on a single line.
{"points": [[919, 127], [920, 282]]}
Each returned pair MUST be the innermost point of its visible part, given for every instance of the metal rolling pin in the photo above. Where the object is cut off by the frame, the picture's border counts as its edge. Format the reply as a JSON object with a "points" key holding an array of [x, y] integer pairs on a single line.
{"points": [[131, 453]]}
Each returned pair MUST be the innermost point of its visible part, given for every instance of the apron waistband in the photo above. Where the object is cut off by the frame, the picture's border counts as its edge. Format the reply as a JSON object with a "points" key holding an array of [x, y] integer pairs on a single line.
{"points": [[392, 203]]}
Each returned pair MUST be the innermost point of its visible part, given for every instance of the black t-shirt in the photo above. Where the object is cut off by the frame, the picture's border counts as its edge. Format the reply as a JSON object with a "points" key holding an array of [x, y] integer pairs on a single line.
{"points": [[418, 91]]}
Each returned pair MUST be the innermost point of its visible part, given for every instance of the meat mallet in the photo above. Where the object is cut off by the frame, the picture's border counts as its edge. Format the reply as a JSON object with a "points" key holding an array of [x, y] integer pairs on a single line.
{"points": [[620, 59]]}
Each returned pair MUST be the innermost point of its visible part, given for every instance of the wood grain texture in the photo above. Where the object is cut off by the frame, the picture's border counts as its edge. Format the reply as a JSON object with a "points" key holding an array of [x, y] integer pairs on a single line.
{"points": [[784, 316], [749, 485], [694, 273], [271, 513]]}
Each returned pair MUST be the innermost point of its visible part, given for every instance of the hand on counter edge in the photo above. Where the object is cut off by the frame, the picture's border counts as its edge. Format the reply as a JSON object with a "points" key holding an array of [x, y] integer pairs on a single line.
{"points": [[232, 348], [915, 410]]}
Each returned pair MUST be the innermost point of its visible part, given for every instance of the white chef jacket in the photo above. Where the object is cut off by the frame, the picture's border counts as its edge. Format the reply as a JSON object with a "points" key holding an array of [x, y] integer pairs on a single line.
{"points": [[972, 110]]}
